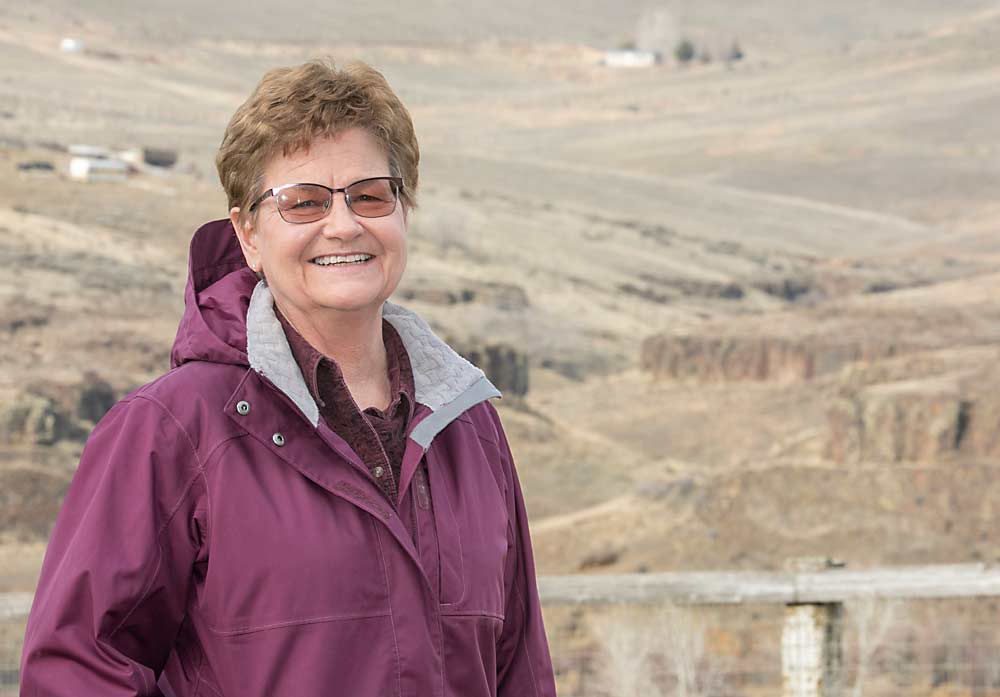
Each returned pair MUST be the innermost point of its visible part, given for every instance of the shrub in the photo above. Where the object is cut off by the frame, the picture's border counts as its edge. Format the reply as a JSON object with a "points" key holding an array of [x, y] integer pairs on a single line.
{"points": [[685, 51], [735, 52]]}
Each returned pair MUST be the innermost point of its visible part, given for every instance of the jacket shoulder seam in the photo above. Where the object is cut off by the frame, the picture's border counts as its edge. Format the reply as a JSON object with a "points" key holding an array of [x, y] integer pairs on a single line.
{"points": [[215, 448], [201, 469], [199, 472], [180, 427], [492, 436]]}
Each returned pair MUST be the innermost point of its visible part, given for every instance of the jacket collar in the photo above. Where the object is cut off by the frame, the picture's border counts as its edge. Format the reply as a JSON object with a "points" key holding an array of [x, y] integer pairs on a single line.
{"points": [[443, 381]]}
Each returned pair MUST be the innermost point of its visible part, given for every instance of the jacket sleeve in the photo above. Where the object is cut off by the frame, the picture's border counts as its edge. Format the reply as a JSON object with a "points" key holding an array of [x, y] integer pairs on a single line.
{"points": [[114, 583], [524, 667]]}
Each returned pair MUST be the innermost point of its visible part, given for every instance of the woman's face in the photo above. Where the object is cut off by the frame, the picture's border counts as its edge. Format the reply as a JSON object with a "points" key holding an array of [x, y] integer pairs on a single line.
{"points": [[295, 257]]}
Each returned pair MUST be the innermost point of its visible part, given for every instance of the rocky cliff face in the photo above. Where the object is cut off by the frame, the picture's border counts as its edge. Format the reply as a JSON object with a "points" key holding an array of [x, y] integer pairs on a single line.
{"points": [[918, 419], [773, 358], [802, 345], [911, 422], [505, 366], [45, 414]]}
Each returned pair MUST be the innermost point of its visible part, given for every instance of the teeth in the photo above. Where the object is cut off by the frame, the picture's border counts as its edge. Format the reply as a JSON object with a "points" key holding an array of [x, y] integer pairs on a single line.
{"points": [[342, 259]]}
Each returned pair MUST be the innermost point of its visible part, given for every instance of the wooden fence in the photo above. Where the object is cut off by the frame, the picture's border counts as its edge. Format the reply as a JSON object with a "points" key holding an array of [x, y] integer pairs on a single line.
{"points": [[812, 632], [813, 599]]}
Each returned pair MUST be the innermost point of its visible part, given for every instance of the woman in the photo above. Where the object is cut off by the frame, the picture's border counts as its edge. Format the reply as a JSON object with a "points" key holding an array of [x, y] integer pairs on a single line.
{"points": [[318, 499]]}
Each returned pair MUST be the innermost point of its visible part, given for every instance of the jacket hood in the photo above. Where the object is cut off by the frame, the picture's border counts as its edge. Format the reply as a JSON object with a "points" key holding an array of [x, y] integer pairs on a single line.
{"points": [[216, 298], [229, 318]]}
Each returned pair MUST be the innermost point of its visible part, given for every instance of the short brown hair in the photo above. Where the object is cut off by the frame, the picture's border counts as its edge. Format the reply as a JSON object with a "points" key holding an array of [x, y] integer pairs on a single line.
{"points": [[291, 107]]}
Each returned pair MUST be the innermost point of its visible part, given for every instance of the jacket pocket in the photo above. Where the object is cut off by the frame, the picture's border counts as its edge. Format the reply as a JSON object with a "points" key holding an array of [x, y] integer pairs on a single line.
{"points": [[471, 522]]}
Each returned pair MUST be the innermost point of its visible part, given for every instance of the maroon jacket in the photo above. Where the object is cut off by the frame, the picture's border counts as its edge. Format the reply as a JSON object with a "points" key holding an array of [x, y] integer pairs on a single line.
{"points": [[220, 539]]}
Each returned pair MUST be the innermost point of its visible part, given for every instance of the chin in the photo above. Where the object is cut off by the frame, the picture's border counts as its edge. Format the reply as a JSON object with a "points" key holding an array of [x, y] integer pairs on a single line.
{"points": [[345, 297], [335, 304]]}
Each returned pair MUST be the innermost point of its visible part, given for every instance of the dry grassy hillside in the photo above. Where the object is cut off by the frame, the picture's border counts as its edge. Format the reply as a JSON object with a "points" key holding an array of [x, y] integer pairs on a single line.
{"points": [[758, 301], [775, 27]]}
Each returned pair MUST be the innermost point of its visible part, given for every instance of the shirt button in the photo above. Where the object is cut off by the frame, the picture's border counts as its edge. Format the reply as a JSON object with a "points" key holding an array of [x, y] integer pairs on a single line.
{"points": [[379, 471], [243, 408], [278, 439]]}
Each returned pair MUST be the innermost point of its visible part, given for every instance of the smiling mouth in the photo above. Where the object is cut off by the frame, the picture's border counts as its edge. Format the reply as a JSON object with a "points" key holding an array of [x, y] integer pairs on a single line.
{"points": [[342, 259]]}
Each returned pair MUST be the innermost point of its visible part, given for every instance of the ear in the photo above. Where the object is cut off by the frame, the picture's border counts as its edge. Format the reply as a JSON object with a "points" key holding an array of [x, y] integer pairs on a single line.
{"points": [[247, 236]]}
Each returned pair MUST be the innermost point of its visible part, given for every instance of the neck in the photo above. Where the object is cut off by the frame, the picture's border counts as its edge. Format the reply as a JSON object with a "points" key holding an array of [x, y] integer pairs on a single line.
{"points": [[352, 339]]}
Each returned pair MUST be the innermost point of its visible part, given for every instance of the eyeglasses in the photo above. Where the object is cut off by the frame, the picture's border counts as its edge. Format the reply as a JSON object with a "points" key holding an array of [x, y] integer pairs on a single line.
{"points": [[306, 203]]}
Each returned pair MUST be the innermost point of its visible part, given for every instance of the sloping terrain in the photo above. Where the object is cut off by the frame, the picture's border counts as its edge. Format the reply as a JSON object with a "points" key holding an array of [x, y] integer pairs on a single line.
{"points": [[743, 290]]}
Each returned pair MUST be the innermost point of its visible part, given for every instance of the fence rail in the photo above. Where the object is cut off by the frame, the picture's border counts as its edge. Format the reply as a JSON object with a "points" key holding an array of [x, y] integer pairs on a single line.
{"points": [[834, 585], [14, 605]]}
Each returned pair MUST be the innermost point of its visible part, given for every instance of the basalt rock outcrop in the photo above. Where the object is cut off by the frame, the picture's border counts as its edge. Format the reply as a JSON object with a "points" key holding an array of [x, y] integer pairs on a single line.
{"points": [[505, 366], [747, 357], [94, 399], [34, 419], [44, 414], [792, 347], [916, 421], [925, 419]]}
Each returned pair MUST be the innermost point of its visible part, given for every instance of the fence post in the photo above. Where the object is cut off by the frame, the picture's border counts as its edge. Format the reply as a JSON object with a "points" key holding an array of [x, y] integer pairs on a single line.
{"points": [[811, 650], [812, 640]]}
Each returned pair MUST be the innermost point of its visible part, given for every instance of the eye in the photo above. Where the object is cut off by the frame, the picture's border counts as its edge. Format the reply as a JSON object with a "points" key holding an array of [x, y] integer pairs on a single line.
{"points": [[303, 198], [309, 203], [371, 191]]}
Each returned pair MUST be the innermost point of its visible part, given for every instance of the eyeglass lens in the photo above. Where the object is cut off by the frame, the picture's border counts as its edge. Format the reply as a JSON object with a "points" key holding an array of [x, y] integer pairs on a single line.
{"points": [[305, 203]]}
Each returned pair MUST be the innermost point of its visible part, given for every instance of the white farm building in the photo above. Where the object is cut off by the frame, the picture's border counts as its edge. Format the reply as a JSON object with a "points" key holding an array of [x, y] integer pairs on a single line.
{"points": [[98, 170], [629, 58]]}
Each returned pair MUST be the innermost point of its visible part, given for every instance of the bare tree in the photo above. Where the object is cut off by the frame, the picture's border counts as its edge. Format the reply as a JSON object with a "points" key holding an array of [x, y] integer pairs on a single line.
{"points": [[872, 618], [625, 647], [697, 674], [646, 649]]}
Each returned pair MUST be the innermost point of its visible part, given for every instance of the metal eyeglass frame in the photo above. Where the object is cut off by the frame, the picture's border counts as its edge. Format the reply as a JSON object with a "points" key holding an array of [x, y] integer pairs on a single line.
{"points": [[397, 189]]}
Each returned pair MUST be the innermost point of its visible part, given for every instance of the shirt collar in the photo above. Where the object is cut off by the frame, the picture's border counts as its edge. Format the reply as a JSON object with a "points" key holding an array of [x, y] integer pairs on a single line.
{"points": [[311, 362]]}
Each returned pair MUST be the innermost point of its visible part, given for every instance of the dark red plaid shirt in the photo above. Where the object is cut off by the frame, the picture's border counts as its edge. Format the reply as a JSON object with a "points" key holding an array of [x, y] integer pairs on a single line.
{"points": [[377, 436]]}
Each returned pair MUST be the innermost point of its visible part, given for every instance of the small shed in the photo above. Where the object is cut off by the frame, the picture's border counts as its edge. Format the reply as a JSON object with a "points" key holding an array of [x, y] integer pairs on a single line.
{"points": [[155, 157], [71, 45], [98, 170], [632, 58]]}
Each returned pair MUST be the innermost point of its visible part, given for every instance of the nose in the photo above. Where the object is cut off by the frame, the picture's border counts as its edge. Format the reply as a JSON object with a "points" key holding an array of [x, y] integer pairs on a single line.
{"points": [[341, 222]]}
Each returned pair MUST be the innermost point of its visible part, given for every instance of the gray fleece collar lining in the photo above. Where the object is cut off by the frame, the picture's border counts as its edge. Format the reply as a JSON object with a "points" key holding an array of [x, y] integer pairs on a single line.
{"points": [[442, 380], [271, 356]]}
